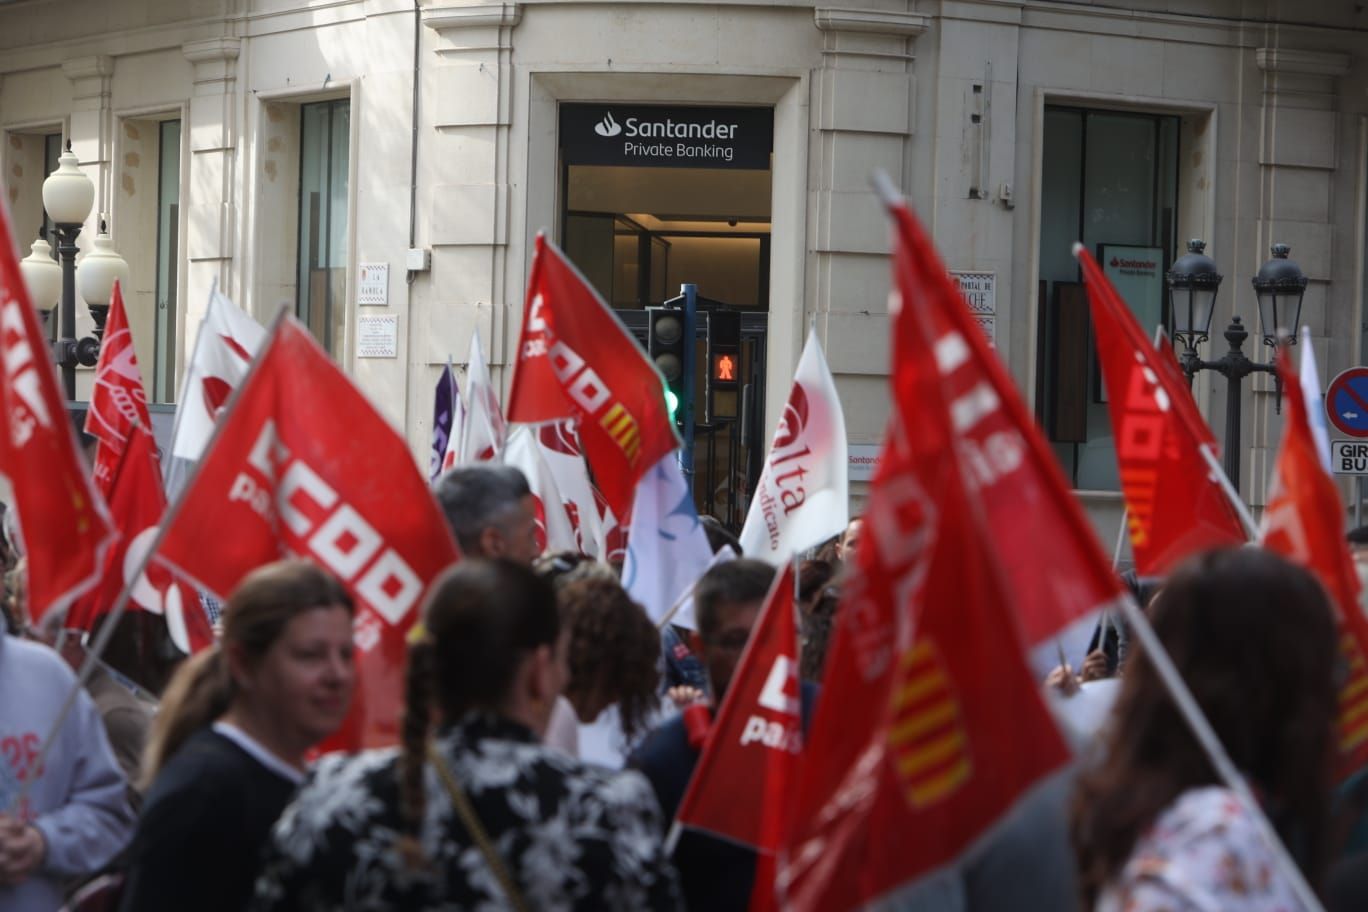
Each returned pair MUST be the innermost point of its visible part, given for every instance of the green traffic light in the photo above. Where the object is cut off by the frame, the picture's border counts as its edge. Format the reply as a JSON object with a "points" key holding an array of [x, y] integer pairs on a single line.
{"points": [[671, 402]]}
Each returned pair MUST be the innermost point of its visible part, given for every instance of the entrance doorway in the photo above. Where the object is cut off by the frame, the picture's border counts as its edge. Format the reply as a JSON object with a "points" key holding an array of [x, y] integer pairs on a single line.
{"points": [[655, 196]]}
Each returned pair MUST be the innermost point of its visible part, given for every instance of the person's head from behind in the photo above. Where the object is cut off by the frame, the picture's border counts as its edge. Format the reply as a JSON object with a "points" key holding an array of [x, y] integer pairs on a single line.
{"points": [[492, 644], [727, 603], [613, 651], [1254, 638], [490, 511], [282, 671]]}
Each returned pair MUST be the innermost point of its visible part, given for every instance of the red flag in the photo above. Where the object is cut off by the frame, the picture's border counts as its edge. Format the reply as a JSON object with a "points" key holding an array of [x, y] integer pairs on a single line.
{"points": [[1008, 465], [303, 464], [62, 518], [1175, 504], [755, 740], [1304, 522], [931, 724], [575, 360], [137, 502], [118, 402]]}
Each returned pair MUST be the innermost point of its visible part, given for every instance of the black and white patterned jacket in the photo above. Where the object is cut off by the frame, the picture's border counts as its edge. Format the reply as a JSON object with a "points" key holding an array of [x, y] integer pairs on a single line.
{"points": [[573, 836]]}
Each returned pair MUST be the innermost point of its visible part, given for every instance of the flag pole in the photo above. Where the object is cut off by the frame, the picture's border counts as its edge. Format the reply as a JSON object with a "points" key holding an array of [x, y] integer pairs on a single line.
{"points": [[1246, 520], [679, 603], [111, 620], [1211, 744]]}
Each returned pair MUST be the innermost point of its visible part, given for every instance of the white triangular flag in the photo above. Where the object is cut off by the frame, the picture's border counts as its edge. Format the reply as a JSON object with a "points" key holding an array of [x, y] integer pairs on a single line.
{"points": [[554, 532], [1315, 402], [667, 549], [560, 447], [228, 339], [484, 433], [802, 498]]}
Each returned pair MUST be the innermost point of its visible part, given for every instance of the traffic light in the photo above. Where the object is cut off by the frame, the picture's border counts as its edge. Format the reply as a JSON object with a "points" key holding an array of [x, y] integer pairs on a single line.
{"points": [[665, 344], [724, 349]]}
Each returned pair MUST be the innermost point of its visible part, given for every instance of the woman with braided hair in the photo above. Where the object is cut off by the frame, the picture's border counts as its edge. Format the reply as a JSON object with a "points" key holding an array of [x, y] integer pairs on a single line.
{"points": [[478, 813]]}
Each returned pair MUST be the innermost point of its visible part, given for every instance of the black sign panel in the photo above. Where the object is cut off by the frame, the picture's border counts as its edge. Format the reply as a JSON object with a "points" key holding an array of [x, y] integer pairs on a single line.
{"points": [[666, 136]]}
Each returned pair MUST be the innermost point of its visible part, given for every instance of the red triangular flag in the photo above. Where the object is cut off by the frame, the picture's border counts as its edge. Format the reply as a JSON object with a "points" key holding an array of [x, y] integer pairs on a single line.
{"points": [[137, 502], [63, 520], [576, 360], [931, 724], [757, 735], [118, 403], [1009, 466], [1175, 505], [1304, 522], [303, 464]]}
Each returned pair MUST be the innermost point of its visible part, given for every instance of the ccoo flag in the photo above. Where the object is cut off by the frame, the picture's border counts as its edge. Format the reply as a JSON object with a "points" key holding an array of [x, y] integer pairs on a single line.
{"points": [[1304, 522], [576, 360], [118, 402], [302, 464], [753, 745], [62, 519], [1176, 503], [931, 725], [802, 497]]}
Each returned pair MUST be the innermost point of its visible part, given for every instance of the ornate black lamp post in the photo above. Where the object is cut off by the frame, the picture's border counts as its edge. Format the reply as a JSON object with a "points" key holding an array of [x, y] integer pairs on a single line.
{"points": [[1193, 282], [68, 196]]}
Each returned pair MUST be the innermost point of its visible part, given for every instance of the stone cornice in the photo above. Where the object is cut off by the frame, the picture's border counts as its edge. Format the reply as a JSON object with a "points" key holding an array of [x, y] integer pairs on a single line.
{"points": [[879, 22], [485, 15], [211, 49], [88, 67], [1311, 63]]}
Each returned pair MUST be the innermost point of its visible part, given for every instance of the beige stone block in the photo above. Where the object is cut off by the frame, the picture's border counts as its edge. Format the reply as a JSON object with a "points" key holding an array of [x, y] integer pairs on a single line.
{"points": [[1127, 66], [143, 80], [865, 101], [852, 157], [467, 94], [206, 237], [853, 283], [461, 213], [461, 275], [857, 343], [1200, 72], [211, 123], [1300, 137], [1054, 59], [450, 324], [1301, 194], [1312, 245], [866, 403], [852, 222]]}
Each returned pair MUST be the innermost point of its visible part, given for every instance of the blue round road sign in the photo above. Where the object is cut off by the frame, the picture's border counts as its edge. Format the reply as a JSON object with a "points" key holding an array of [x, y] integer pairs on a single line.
{"points": [[1346, 402]]}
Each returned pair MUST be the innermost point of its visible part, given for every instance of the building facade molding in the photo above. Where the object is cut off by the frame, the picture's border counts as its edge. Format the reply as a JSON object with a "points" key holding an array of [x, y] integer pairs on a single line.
{"points": [[1302, 62], [489, 15], [879, 22]]}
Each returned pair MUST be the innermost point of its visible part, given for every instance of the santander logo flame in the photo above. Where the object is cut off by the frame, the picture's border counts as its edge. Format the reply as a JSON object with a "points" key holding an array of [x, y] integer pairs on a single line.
{"points": [[608, 126]]}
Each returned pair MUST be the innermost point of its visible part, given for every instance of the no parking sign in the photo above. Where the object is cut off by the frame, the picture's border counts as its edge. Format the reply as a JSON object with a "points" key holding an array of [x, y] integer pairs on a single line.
{"points": [[1346, 402]]}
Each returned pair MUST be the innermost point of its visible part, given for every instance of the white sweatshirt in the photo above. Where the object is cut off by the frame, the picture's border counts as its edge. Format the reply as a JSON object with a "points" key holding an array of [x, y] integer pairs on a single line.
{"points": [[78, 800]]}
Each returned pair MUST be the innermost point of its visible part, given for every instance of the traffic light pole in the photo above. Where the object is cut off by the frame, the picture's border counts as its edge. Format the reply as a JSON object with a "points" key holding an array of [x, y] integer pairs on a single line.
{"points": [[686, 455]]}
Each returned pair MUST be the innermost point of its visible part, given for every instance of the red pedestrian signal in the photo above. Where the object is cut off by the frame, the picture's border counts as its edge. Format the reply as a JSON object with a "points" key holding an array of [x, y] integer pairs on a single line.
{"points": [[724, 368]]}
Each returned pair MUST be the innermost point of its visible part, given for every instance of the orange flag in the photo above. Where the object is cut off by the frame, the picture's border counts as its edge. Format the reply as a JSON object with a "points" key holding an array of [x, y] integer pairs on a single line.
{"points": [[1304, 522], [1176, 505]]}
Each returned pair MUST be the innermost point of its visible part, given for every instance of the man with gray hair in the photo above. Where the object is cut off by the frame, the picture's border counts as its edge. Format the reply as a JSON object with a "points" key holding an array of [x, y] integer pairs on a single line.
{"points": [[491, 511]]}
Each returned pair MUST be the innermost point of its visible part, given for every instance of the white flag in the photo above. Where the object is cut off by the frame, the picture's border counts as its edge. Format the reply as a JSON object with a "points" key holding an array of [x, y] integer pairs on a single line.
{"points": [[802, 498], [667, 549], [554, 532], [484, 433], [228, 340], [560, 447], [1315, 402]]}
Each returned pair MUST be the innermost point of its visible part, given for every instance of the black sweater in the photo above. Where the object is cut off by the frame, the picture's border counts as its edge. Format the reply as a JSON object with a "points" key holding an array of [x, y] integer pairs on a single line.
{"points": [[204, 823]]}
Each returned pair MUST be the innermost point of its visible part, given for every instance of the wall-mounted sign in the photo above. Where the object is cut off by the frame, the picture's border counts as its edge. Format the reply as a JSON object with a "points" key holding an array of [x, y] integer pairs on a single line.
{"points": [[373, 288], [377, 336], [980, 293], [861, 460], [666, 136]]}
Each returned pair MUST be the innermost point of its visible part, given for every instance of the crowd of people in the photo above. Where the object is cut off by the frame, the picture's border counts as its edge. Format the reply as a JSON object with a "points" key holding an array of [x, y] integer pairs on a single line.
{"points": [[550, 730]]}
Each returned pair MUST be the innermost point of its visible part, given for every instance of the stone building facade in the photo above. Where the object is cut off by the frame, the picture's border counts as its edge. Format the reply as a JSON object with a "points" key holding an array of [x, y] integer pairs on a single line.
{"points": [[275, 147]]}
